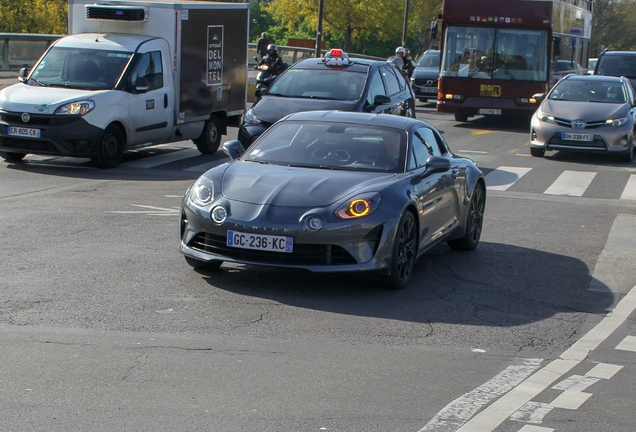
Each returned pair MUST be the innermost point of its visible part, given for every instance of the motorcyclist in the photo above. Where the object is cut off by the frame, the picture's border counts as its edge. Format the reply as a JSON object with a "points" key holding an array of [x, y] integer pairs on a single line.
{"points": [[273, 61], [408, 66]]}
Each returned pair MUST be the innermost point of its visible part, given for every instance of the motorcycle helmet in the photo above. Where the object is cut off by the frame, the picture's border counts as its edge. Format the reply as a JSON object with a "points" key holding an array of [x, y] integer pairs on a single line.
{"points": [[399, 50], [271, 47]]}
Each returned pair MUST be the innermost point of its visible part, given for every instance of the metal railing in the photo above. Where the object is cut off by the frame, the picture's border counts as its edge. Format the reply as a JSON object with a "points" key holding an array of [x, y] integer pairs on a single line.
{"points": [[18, 50]]}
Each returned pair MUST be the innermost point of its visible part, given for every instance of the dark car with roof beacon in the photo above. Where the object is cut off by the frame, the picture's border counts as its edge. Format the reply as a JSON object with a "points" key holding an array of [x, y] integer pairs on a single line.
{"points": [[334, 82], [617, 63], [425, 75]]}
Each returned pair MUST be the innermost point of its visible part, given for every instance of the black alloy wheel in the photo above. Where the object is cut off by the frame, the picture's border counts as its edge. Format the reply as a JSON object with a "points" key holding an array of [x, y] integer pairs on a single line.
{"points": [[210, 139], [474, 221], [110, 148], [404, 253]]}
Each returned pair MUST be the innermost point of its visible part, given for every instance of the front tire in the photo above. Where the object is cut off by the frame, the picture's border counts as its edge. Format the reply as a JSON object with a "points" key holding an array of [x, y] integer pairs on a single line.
{"points": [[210, 139], [12, 157], [474, 222], [404, 253], [203, 265], [629, 156], [110, 148]]}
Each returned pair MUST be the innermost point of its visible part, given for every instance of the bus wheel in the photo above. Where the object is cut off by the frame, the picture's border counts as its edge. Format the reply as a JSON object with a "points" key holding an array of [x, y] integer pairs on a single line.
{"points": [[461, 117]]}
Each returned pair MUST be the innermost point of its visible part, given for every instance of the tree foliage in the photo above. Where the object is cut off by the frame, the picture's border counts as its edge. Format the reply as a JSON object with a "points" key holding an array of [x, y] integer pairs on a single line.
{"points": [[608, 17], [34, 16]]}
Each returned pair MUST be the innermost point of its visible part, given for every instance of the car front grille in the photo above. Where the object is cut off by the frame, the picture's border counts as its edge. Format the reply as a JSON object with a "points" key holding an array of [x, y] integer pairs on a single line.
{"points": [[589, 125], [303, 254], [597, 143], [36, 119]]}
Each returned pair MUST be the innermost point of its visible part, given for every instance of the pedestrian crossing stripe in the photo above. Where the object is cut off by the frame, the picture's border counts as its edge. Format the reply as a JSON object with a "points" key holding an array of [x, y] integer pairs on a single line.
{"points": [[569, 183]]}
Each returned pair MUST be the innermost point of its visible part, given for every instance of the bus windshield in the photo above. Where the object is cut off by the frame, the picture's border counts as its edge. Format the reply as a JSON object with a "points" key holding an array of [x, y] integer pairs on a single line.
{"points": [[495, 53]]}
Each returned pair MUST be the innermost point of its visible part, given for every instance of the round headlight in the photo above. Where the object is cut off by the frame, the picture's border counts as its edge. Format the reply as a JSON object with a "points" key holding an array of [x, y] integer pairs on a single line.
{"points": [[218, 214], [314, 223]]}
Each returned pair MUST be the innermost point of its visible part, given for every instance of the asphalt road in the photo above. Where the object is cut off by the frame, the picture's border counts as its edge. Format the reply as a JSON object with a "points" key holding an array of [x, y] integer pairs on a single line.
{"points": [[105, 327]]}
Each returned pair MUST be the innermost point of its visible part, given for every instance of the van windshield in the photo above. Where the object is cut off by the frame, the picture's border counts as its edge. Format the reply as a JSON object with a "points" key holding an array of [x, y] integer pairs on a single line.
{"points": [[80, 68]]}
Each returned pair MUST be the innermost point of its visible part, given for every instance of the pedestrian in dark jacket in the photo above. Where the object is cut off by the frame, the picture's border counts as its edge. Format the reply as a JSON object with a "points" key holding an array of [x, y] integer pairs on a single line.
{"points": [[261, 47]]}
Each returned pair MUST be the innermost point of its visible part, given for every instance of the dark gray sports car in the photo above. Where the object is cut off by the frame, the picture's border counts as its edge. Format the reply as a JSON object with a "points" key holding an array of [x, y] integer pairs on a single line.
{"points": [[331, 191]]}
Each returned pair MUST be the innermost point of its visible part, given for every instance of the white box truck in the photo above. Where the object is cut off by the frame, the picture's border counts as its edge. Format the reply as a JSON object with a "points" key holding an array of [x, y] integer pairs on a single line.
{"points": [[131, 74]]}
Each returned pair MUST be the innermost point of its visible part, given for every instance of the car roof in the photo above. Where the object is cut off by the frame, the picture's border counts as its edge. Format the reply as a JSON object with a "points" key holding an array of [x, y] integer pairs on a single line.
{"points": [[382, 120], [605, 78], [357, 65]]}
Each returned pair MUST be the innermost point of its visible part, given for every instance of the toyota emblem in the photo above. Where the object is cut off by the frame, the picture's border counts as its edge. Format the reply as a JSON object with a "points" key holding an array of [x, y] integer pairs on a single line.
{"points": [[578, 124], [26, 117]]}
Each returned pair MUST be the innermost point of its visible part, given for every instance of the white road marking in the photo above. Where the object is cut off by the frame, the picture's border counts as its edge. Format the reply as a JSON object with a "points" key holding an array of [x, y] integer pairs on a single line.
{"points": [[530, 428], [152, 210], [174, 156], [532, 412], [473, 151], [604, 371], [571, 183], [504, 177], [460, 410], [576, 383], [629, 193], [628, 344], [570, 399]]}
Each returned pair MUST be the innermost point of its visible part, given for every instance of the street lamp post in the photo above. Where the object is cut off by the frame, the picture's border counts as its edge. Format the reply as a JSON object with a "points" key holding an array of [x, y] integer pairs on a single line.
{"points": [[406, 20], [321, 7]]}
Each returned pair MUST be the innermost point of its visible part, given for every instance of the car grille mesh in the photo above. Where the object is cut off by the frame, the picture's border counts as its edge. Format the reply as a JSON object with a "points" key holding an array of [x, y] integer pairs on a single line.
{"points": [[303, 254], [589, 125]]}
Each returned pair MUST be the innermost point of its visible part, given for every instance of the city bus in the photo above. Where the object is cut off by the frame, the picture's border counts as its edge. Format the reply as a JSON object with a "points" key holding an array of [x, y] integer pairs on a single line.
{"points": [[497, 54]]}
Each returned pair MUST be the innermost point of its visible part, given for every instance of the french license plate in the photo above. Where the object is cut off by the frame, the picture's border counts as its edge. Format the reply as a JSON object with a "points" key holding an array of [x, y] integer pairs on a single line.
{"points": [[566, 136], [429, 89], [24, 132], [488, 111], [260, 242]]}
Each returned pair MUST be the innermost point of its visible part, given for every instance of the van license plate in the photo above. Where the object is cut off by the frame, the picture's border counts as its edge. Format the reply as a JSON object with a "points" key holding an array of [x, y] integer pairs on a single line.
{"points": [[260, 242], [24, 132], [487, 111]]}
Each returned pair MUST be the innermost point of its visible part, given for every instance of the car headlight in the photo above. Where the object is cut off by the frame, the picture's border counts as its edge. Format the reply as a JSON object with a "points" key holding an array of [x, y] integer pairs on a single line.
{"points": [[358, 206], [202, 192], [616, 122], [249, 117], [545, 117], [76, 108]]}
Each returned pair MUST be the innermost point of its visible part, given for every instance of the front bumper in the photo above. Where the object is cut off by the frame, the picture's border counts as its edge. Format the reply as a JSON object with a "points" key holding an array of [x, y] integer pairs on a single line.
{"points": [[58, 135], [549, 136]]}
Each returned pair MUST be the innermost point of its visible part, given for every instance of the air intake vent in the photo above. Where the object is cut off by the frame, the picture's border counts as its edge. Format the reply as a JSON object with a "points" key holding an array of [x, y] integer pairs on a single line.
{"points": [[117, 13]]}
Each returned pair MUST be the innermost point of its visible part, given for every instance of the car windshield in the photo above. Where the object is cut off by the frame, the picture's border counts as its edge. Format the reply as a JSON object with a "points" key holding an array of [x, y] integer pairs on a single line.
{"points": [[321, 145], [591, 91], [339, 84], [80, 68], [428, 60]]}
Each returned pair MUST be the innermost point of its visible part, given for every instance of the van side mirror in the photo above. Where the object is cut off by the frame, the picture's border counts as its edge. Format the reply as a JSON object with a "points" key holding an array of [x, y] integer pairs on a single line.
{"points": [[24, 72], [141, 84]]}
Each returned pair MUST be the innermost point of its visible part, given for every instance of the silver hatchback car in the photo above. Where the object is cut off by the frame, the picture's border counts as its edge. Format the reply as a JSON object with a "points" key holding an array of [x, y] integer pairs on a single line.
{"points": [[586, 113]]}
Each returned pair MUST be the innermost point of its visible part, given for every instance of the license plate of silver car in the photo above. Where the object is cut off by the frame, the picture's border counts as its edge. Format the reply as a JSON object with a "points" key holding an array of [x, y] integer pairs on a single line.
{"points": [[568, 136], [260, 242]]}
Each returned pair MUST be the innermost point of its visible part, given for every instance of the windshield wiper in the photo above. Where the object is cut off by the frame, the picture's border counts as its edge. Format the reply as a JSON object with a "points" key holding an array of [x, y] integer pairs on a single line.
{"points": [[512, 77], [40, 83]]}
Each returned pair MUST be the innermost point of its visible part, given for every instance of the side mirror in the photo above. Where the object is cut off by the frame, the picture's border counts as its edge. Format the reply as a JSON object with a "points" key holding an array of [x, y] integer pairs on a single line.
{"points": [[255, 58], [23, 74], [381, 100], [233, 149], [538, 96], [141, 85], [435, 164]]}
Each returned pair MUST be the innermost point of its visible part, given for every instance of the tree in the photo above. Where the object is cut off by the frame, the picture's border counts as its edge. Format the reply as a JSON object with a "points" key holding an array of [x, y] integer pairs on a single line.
{"points": [[34, 16]]}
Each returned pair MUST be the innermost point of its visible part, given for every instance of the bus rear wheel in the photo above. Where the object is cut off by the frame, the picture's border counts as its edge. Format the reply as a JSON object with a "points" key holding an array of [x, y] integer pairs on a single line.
{"points": [[461, 117]]}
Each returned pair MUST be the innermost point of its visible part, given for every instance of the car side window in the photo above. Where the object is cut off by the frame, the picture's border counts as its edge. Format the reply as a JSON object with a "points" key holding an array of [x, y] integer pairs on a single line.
{"points": [[630, 92], [392, 86], [425, 145], [150, 68], [376, 87], [401, 80]]}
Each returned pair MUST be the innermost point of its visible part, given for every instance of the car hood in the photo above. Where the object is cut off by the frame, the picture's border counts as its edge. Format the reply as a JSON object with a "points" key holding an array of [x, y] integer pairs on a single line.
{"points": [[292, 187], [36, 99], [587, 111], [425, 72], [272, 108]]}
